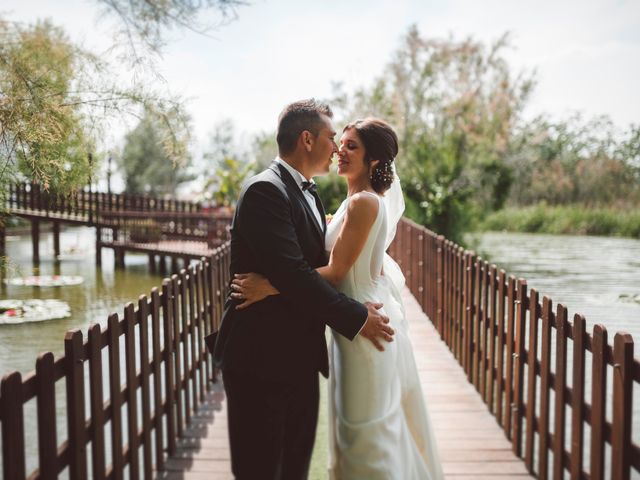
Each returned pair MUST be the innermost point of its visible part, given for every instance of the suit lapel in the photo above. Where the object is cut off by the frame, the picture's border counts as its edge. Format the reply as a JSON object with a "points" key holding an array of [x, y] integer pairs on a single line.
{"points": [[292, 186], [323, 216]]}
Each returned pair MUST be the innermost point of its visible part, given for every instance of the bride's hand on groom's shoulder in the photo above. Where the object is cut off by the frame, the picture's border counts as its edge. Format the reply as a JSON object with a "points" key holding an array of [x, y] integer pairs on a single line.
{"points": [[376, 326]]}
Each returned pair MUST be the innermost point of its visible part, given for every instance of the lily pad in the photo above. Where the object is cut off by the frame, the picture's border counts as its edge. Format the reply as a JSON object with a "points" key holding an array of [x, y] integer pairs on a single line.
{"points": [[34, 310], [46, 281]]}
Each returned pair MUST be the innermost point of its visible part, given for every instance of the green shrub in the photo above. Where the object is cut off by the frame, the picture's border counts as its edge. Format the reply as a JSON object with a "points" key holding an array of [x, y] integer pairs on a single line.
{"points": [[565, 219]]}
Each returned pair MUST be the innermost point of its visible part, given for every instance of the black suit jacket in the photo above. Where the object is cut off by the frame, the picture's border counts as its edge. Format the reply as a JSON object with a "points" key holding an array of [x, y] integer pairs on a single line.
{"points": [[275, 233]]}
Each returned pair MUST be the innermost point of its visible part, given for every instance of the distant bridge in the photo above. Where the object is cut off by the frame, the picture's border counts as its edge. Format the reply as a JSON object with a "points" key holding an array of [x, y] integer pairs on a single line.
{"points": [[137, 223]]}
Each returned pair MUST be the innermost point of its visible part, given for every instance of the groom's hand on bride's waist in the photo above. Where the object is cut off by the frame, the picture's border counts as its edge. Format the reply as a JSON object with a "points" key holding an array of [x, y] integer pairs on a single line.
{"points": [[376, 326]]}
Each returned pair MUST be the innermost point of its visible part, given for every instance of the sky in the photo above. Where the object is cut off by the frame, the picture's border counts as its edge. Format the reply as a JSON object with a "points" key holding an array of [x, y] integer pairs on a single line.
{"points": [[586, 53]]}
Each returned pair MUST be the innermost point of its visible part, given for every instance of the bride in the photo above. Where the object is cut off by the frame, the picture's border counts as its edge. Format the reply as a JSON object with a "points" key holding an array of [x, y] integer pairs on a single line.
{"points": [[378, 422]]}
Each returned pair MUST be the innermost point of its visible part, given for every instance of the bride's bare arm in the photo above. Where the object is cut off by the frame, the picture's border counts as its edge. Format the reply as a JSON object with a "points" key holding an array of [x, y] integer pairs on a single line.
{"points": [[360, 216]]}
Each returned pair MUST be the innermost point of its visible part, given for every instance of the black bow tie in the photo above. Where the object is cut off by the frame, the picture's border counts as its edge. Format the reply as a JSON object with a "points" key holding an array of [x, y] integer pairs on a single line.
{"points": [[311, 186]]}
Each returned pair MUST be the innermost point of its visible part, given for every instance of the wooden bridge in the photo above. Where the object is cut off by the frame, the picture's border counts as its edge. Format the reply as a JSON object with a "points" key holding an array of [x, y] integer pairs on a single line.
{"points": [[162, 228], [493, 358]]}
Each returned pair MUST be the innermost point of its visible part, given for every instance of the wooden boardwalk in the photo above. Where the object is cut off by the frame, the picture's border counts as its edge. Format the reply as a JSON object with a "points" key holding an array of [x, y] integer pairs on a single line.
{"points": [[125, 223], [471, 443]]}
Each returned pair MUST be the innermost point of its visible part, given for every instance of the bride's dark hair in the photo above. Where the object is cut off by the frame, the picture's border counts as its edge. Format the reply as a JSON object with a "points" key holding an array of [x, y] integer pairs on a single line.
{"points": [[380, 143]]}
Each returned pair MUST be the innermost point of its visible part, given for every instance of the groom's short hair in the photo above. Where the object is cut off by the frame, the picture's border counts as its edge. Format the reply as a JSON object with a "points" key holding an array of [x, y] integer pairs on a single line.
{"points": [[298, 117]]}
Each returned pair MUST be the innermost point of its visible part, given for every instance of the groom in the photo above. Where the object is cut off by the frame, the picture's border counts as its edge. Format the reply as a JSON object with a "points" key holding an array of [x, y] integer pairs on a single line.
{"points": [[271, 352]]}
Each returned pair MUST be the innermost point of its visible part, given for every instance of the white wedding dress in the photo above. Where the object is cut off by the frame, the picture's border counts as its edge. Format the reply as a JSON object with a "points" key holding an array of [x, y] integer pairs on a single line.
{"points": [[379, 428]]}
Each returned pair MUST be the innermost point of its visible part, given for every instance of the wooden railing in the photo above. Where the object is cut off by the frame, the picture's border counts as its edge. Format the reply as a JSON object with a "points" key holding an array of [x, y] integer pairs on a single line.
{"points": [[166, 370], [142, 227], [514, 349], [89, 205], [123, 218]]}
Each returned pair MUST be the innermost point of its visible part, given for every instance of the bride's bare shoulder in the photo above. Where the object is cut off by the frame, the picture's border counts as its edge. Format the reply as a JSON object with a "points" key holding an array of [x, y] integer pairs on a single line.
{"points": [[363, 205]]}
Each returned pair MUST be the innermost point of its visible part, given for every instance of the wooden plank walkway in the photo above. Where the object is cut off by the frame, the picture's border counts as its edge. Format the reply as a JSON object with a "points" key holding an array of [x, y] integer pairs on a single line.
{"points": [[472, 446], [180, 248]]}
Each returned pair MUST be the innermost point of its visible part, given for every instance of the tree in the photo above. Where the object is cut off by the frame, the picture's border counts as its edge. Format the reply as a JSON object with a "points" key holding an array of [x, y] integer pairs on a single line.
{"points": [[54, 99], [227, 181], [264, 149], [575, 161], [144, 24], [231, 165], [455, 105], [43, 134], [146, 165], [56, 96]]}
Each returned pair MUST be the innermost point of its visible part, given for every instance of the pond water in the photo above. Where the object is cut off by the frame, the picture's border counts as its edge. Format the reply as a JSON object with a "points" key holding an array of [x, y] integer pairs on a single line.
{"points": [[105, 290], [598, 277]]}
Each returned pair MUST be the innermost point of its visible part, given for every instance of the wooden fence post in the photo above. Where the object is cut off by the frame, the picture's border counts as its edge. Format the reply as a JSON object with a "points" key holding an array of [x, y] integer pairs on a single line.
{"points": [[158, 411], [145, 374], [559, 389], [598, 400], [178, 378], [476, 322], [518, 357], [46, 405], [12, 427], [56, 239], [132, 391], [35, 240], [169, 371], [532, 354], [3, 241], [440, 259], [500, 356], [187, 368], [421, 277], [74, 366], [200, 307], [545, 384], [577, 400], [97, 408], [486, 334], [115, 390], [508, 389], [493, 336], [467, 343], [622, 406], [191, 334], [207, 319]]}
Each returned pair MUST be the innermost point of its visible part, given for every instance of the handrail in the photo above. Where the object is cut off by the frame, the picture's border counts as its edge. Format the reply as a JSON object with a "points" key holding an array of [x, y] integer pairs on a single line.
{"points": [[126, 218], [164, 336], [89, 204], [485, 317]]}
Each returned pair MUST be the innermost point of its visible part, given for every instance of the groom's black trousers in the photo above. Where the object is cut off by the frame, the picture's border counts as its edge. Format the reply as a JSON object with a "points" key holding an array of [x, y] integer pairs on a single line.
{"points": [[272, 425]]}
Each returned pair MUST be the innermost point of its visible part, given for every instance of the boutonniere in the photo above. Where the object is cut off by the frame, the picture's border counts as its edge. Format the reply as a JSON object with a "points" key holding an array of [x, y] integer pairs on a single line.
{"points": [[328, 218]]}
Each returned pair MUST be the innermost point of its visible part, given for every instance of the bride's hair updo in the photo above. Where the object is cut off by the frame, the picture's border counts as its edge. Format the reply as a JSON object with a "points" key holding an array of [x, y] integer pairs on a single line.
{"points": [[380, 143]]}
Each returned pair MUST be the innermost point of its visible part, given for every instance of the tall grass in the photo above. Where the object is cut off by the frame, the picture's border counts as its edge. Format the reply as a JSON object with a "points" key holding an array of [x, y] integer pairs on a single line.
{"points": [[566, 219]]}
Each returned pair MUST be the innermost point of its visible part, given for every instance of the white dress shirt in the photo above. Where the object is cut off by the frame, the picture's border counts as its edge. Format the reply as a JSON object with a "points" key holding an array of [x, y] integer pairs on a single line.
{"points": [[299, 178]]}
